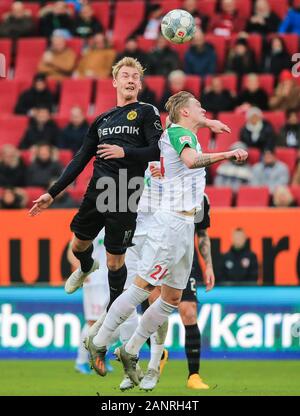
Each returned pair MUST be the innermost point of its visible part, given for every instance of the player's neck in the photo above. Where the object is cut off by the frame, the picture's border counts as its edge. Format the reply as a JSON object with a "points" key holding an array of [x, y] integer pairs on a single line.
{"points": [[189, 125], [121, 101]]}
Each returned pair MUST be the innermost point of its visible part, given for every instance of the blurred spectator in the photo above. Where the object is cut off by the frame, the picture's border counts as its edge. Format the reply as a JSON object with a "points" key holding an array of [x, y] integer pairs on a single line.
{"points": [[253, 95], [13, 198], [97, 58], [36, 96], [55, 16], [77, 4], [150, 26], [201, 20], [287, 93], [41, 129], [12, 168], [296, 177], [176, 82], [216, 98], [132, 50], [283, 198], [277, 59], [289, 135], [233, 174], [291, 22], [146, 95], [86, 24], [62, 200], [270, 172], [200, 58], [263, 21], [227, 21], [239, 265], [257, 132], [72, 135], [241, 59], [59, 60], [44, 168], [162, 59], [17, 23]]}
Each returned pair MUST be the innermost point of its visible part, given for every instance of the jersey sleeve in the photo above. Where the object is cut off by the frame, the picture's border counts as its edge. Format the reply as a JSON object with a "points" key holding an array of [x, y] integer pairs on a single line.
{"points": [[205, 223], [78, 163], [180, 137]]}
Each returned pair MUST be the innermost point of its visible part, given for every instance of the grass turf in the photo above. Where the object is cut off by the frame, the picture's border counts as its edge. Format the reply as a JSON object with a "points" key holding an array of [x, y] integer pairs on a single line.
{"points": [[232, 378]]}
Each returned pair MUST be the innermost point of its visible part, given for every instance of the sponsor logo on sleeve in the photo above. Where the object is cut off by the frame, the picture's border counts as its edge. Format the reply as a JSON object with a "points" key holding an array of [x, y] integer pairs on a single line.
{"points": [[185, 139]]}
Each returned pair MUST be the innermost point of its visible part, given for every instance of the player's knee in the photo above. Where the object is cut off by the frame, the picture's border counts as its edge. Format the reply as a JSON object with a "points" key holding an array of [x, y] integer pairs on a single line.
{"points": [[79, 245], [113, 265], [173, 299], [189, 317]]}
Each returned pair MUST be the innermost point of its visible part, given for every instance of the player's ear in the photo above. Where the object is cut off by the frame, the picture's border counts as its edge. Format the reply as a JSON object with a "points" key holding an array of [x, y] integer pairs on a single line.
{"points": [[114, 83]]}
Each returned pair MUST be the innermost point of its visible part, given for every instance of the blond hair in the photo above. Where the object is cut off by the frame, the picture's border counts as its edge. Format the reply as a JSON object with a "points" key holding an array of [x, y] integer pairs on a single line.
{"points": [[176, 102], [127, 61]]}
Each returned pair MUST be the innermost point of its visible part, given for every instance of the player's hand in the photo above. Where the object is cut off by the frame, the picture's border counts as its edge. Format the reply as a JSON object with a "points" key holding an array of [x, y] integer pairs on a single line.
{"points": [[110, 151], [217, 126], [209, 277], [238, 155], [155, 171], [43, 202]]}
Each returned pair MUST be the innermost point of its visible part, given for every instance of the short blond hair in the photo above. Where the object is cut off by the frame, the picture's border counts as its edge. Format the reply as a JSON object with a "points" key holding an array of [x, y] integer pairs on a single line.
{"points": [[127, 61], [176, 102]]}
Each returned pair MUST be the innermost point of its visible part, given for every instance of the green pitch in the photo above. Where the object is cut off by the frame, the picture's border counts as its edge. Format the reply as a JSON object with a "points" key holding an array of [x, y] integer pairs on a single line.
{"points": [[225, 378]]}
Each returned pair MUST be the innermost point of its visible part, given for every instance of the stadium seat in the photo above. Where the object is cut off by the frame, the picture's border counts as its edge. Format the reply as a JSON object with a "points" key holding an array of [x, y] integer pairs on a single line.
{"points": [[244, 8], [4, 7], [280, 7], [156, 84], [163, 117], [76, 44], [128, 16], [229, 81], [207, 7], [146, 44], [76, 193], [255, 44], [12, 129], [220, 45], [33, 192], [276, 118], [26, 156], [106, 96], [295, 189], [65, 156], [193, 84], [266, 82], [181, 49], [291, 41], [9, 90], [254, 155], [287, 156], [34, 8], [248, 196], [6, 50], [168, 5], [85, 176], [219, 197], [29, 53], [61, 121], [102, 11], [204, 139], [234, 121], [75, 92]]}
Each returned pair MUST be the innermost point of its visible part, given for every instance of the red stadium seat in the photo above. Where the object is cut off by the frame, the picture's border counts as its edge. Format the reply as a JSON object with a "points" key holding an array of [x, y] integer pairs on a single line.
{"points": [[65, 157], [76, 193], [163, 117], [33, 192], [181, 49], [156, 84], [220, 45], [61, 121], [244, 8], [9, 90], [76, 44], [27, 156], [248, 196], [34, 8], [193, 84], [128, 16], [12, 129], [276, 118], [101, 11], [106, 96], [287, 156], [254, 155], [254, 42], [280, 7], [229, 81], [219, 197], [204, 139], [207, 7], [75, 92], [146, 44], [295, 189], [6, 50], [29, 54], [85, 176], [266, 82], [5, 7], [290, 40], [168, 5], [235, 122]]}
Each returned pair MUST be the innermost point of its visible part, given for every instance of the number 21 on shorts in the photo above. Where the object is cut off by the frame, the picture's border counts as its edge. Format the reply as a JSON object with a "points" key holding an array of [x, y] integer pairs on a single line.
{"points": [[159, 272]]}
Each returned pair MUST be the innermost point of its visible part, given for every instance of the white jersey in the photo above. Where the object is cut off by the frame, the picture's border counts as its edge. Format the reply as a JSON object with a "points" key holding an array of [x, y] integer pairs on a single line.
{"points": [[99, 277]]}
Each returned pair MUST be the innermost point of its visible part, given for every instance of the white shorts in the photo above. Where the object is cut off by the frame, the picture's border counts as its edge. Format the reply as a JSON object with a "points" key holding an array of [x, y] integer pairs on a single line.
{"points": [[95, 298], [167, 252]]}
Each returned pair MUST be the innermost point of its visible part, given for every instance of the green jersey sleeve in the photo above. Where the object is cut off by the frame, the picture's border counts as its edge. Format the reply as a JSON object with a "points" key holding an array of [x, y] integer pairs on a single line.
{"points": [[180, 137]]}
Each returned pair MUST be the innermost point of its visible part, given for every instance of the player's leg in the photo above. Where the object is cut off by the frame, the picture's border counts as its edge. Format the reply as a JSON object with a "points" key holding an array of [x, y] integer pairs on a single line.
{"points": [[82, 359]]}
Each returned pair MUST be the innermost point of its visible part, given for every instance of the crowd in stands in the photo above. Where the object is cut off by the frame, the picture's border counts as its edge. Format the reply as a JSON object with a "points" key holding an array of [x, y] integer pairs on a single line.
{"points": [[239, 65]]}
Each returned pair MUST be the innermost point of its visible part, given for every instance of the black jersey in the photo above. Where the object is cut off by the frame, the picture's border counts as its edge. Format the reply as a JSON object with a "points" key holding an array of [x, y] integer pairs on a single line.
{"points": [[136, 127]]}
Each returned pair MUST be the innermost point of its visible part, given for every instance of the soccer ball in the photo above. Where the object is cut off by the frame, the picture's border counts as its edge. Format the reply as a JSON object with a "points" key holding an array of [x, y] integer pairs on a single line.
{"points": [[178, 26]]}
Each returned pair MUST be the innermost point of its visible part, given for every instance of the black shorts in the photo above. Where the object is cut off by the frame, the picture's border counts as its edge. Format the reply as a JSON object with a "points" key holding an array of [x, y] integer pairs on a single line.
{"points": [[88, 222], [190, 292]]}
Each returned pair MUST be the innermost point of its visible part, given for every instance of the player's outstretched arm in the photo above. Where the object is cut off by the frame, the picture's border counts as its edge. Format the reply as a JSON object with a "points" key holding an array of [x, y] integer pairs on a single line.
{"points": [[40, 204], [216, 126], [194, 160]]}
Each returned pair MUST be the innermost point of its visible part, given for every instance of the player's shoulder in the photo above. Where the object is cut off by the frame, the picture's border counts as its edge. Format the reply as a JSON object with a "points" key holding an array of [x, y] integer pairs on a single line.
{"points": [[147, 107], [103, 116]]}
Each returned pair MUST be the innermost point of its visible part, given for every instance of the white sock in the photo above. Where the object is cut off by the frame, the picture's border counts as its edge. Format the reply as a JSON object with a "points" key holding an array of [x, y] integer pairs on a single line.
{"points": [[152, 319], [128, 327], [157, 345], [82, 353], [119, 311]]}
